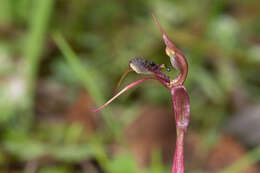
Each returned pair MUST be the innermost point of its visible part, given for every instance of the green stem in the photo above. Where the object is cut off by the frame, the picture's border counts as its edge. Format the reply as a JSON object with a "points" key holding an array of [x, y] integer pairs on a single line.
{"points": [[35, 43]]}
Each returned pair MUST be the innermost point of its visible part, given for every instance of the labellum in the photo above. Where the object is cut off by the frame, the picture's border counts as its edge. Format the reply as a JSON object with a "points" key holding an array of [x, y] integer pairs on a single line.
{"points": [[143, 66]]}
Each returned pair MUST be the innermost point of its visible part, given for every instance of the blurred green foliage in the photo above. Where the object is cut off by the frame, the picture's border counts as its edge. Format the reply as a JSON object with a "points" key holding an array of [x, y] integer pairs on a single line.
{"points": [[88, 44]]}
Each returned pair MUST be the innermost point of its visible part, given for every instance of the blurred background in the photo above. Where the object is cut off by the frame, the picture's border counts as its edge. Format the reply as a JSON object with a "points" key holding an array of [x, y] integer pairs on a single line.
{"points": [[60, 58]]}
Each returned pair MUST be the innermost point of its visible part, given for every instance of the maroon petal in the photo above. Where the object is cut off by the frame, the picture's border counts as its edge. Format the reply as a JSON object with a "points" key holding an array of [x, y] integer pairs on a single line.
{"points": [[181, 106], [121, 79], [131, 85]]}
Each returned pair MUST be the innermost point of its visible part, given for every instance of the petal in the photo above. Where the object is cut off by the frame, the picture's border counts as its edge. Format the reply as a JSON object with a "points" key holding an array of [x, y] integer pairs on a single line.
{"points": [[121, 92], [121, 79]]}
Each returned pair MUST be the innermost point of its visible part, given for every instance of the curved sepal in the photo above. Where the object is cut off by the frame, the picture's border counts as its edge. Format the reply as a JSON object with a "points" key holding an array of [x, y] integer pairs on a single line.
{"points": [[177, 59]]}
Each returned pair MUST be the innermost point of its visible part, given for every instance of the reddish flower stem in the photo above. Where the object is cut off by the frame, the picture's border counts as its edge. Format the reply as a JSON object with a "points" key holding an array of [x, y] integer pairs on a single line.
{"points": [[181, 108], [178, 161]]}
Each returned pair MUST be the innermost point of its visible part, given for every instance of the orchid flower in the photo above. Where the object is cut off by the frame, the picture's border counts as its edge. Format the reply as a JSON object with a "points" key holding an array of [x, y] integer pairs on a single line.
{"points": [[180, 98]]}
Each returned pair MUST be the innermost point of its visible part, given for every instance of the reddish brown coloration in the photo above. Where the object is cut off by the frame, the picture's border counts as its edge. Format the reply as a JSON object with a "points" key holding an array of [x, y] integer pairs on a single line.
{"points": [[173, 52], [149, 132], [121, 79], [178, 161], [131, 85], [181, 106], [80, 113]]}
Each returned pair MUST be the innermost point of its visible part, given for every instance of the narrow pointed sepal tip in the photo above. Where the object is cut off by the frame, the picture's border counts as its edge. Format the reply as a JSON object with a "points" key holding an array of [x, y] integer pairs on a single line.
{"points": [[166, 40], [131, 85], [159, 25]]}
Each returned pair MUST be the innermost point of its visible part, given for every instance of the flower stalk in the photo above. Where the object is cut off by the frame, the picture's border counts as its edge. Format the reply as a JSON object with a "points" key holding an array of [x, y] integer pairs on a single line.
{"points": [[180, 98], [178, 161]]}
